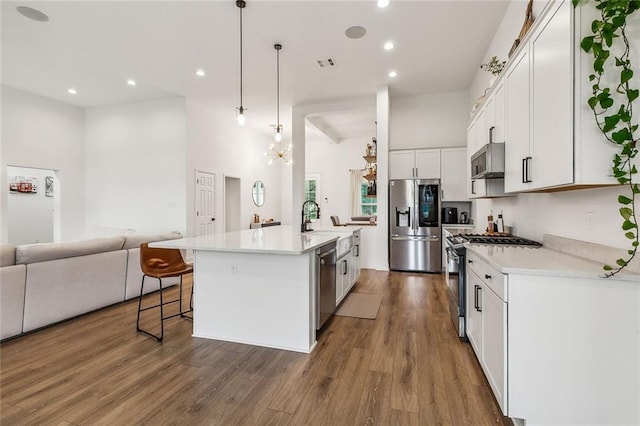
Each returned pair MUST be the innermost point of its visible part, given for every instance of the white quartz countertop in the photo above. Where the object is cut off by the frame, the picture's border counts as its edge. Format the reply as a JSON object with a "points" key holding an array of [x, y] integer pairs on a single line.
{"points": [[272, 240], [542, 261]]}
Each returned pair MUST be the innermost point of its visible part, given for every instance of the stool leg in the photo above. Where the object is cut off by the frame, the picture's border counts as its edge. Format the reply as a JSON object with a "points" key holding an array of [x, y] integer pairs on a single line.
{"points": [[140, 303], [161, 313]]}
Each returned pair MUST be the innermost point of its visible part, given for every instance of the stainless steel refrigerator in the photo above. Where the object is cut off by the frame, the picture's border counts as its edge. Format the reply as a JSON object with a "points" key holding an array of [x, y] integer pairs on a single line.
{"points": [[414, 225]]}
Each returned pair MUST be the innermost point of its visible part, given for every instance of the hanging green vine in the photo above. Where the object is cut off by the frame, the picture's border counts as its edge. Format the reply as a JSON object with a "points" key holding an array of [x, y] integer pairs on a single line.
{"points": [[612, 106]]}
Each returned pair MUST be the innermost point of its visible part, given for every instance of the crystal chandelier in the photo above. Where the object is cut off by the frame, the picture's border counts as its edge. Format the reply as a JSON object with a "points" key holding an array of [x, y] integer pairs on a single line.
{"points": [[276, 152]]}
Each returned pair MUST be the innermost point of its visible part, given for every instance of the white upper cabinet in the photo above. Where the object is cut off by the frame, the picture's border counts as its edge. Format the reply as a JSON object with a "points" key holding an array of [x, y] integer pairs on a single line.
{"points": [[516, 149], [402, 164], [428, 163], [454, 165], [551, 139], [409, 164]]}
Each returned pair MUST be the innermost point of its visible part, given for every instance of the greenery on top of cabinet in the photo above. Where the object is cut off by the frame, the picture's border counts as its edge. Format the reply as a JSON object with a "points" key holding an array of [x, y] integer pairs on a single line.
{"points": [[612, 105]]}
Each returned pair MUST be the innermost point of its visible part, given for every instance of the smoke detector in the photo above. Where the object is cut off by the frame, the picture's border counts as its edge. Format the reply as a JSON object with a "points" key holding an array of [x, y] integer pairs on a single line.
{"points": [[326, 62]]}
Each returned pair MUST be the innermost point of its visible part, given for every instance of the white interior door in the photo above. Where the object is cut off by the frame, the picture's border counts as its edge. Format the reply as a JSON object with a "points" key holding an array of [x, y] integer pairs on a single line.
{"points": [[30, 205], [205, 212], [232, 204]]}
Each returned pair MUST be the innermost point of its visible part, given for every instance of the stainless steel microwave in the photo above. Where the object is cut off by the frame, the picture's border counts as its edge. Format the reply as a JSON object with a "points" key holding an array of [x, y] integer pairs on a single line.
{"points": [[488, 162]]}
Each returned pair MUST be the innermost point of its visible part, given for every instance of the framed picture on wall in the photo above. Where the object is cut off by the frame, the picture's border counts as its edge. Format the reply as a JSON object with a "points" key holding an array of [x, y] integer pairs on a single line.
{"points": [[23, 185], [48, 186]]}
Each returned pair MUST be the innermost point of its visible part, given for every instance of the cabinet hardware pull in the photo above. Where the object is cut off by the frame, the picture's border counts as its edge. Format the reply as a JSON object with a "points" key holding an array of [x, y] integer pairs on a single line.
{"points": [[479, 295], [524, 172], [529, 169], [475, 296], [491, 129], [473, 187], [469, 261], [344, 267], [487, 276]]}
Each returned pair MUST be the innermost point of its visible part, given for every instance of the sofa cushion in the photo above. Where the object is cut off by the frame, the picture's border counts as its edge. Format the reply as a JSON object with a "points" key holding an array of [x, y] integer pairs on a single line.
{"points": [[12, 288], [7, 254], [134, 240], [32, 253]]}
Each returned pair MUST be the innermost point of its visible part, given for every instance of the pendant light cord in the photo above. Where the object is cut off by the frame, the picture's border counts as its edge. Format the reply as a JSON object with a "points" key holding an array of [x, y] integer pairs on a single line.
{"points": [[241, 7], [278, 47]]}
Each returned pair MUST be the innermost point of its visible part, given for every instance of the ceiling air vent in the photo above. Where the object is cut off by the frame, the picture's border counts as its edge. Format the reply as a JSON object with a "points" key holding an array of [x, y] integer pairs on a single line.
{"points": [[326, 63]]}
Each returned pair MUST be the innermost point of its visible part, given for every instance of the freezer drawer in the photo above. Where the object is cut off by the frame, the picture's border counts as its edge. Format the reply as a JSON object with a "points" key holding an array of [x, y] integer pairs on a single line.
{"points": [[422, 254]]}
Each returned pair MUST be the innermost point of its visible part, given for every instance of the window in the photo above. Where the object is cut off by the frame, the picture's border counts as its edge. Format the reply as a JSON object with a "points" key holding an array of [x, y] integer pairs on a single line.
{"points": [[311, 193], [369, 204]]}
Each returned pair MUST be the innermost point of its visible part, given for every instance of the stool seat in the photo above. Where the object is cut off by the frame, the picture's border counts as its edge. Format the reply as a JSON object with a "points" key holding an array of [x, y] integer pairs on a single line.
{"points": [[162, 263]]}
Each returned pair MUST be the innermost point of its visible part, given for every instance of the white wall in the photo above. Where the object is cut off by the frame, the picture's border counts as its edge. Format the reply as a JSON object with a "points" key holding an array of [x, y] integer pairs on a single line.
{"points": [[429, 120], [567, 213], [217, 145], [41, 133], [136, 166], [502, 41], [31, 214]]}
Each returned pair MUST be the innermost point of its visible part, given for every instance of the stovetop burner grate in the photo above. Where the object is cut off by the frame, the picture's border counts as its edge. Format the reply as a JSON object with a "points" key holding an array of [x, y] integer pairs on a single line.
{"points": [[498, 239]]}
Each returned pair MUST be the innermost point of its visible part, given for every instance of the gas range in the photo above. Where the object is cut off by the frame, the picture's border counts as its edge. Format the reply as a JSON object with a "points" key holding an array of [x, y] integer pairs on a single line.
{"points": [[457, 241]]}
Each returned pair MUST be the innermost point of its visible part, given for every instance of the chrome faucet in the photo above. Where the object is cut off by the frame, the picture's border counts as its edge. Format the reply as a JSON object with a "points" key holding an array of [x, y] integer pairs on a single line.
{"points": [[305, 219]]}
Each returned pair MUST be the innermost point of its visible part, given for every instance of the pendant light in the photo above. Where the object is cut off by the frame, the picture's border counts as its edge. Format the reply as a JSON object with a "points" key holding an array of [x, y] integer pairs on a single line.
{"points": [[240, 110], [278, 136], [275, 149]]}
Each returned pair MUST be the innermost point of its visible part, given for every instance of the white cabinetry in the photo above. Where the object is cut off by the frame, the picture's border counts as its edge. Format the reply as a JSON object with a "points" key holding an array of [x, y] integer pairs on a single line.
{"points": [[450, 165], [487, 323], [453, 176], [516, 149], [343, 278], [420, 163], [552, 140]]}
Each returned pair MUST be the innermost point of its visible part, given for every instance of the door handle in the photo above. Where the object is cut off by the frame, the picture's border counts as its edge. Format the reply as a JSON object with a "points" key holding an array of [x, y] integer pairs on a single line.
{"points": [[491, 129], [344, 267], [475, 296], [524, 168], [473, 187], [479, 308], [528, 163]]}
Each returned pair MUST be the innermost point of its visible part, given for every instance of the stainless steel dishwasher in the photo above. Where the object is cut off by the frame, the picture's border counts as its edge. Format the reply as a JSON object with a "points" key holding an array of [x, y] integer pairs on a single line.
{"points": [[326, 283]]}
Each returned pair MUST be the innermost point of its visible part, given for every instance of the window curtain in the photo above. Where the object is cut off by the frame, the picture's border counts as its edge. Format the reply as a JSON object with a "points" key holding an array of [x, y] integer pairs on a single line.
{"points": [[356, 197]]}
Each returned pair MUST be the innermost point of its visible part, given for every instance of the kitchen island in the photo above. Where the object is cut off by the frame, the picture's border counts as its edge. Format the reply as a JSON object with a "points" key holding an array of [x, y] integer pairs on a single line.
{"points": [[256, 286]]}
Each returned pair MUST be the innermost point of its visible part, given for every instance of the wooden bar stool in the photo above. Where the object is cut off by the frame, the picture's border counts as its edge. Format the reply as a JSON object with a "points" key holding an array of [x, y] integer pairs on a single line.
{"points": [[162, 263]]}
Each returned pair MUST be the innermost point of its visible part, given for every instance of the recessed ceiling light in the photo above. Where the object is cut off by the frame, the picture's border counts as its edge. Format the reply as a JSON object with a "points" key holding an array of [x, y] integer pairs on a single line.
{"points": [[31, 13], [72, 91], [131, 82], [393, 74], [383, 3], [355, 32], [388, 45], [200, 73]]}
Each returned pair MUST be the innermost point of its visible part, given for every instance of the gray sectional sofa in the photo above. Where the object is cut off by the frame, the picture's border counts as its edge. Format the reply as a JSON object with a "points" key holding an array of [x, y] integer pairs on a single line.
{"points": [[41, 284]]}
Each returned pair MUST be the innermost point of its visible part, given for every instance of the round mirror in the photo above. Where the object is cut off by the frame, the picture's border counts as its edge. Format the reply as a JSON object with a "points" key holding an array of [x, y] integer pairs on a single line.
{"points": [[257, 193]]}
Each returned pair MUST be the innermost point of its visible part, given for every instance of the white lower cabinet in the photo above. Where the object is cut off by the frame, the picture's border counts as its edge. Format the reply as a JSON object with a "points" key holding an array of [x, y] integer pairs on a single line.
{"points": [[487, 323], [343, 278]]}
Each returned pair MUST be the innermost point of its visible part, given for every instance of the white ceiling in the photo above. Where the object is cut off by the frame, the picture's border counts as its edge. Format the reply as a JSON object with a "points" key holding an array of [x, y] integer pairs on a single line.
{"points": [[96, 46]]}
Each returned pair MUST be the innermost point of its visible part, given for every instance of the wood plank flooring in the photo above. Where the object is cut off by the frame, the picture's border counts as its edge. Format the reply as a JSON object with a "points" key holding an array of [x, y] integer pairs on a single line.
{"points": [[407, 367]]}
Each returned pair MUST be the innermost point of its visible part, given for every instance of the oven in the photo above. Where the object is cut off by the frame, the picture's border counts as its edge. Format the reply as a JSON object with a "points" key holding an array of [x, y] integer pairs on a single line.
{"points": [[456, 283]]}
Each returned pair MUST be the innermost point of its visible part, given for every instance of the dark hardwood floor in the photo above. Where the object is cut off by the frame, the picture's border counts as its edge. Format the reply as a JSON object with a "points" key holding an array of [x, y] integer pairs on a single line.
{"points": [[407, 367]]}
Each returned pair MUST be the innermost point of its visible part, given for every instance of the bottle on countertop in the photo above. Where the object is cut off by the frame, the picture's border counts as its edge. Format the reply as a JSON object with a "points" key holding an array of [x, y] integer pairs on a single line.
{"points": [[500, 224], [490, 224]]}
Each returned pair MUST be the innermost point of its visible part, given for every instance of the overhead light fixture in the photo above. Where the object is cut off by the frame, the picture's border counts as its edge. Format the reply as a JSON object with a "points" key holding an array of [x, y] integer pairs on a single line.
{"points": [[275, 149], [131, 82], [200, 73], [72, 91], [31, 13], [383, 3], [276, 152], [393, 74], [278, 135], [388, 45], [240, 110]]}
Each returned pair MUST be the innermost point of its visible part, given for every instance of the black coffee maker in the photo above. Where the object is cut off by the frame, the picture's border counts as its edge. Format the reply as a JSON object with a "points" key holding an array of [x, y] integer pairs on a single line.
{"points": [[449, 215]]}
